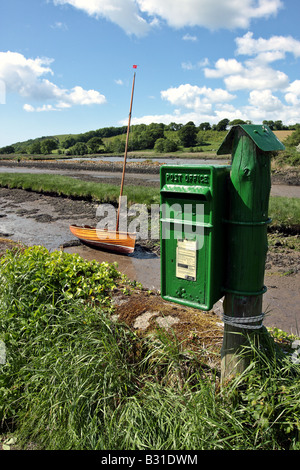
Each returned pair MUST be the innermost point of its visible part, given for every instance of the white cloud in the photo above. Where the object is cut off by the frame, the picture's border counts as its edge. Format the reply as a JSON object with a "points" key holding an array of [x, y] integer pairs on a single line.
{"points": [[257, 78], [78, 95], [267, 51], [224, 67], [189, 37], [138, 16], [2, 92], [254, 74], [293, 93], [265, 105], [203, 62], [213, 116], [194, 97], [268, 57], [21, 74], [192, 103], [28, 108], [275, 46], [177, 117], [271, 108], [124, 13], [26, 78], [211, 14], [59, 25], [265, 100], [31, 109], [190, 66]]}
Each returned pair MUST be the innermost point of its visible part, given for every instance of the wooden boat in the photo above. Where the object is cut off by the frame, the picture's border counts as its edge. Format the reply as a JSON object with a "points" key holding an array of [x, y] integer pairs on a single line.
{"points": [[116, 241], [119, 242]]}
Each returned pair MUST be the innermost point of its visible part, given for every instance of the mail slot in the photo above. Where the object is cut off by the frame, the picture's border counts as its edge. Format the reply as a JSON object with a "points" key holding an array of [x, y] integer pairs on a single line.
{"points": [[192, 234]]}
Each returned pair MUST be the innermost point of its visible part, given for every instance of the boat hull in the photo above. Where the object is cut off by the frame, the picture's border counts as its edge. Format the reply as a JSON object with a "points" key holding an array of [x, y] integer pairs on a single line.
{"points": [[120, 242]]}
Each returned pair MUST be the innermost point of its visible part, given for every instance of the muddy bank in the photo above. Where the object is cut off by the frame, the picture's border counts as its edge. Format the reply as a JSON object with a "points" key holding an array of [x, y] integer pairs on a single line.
{"points": [[285, 176], [287, 185], [88, 165], [288, 176], [37, 219]]}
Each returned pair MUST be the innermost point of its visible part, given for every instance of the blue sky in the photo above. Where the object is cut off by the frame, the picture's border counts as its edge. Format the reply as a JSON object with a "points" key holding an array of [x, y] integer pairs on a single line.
{"points": [[66, 65]]}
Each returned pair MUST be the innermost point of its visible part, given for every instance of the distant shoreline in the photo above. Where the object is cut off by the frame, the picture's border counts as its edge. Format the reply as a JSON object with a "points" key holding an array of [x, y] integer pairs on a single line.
{"points": [[289, 176]]}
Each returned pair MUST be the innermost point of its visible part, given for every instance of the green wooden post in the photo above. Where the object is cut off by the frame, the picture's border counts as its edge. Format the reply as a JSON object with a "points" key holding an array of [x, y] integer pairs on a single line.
{"points": [[246, 229]]}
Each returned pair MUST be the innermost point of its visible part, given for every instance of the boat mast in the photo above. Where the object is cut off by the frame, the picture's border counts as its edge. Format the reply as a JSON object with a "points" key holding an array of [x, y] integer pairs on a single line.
{"points": [[126, 149]]}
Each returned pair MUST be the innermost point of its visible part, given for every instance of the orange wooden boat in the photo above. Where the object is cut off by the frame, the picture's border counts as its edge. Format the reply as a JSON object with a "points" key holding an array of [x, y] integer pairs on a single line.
{"points": [[119, 242]]}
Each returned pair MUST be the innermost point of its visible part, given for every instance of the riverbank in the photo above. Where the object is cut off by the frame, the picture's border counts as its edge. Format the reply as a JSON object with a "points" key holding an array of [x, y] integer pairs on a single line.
{"points": [[84, 164], [35, 218], [103, 187], [39, 218]]}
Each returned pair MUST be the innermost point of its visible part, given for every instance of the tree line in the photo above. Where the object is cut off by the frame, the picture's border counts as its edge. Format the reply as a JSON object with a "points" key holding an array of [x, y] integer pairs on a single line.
{"points": [[158, 136]]}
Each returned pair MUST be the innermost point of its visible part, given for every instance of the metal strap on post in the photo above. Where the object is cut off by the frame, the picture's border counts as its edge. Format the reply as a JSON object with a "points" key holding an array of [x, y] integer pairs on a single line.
{"points": [[245, 322], [236, 222], [244, 293]]}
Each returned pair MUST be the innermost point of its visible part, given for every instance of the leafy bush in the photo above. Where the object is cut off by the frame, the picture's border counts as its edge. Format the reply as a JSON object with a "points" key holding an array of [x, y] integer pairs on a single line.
{"points": [[290, 156], [44, 299], [80, 148], [36, 277], [165, 145], [48, 145], [294, 139]]}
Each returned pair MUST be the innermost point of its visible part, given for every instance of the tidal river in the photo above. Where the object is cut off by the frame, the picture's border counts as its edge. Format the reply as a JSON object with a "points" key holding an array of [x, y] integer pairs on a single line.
{"points": [[36, 219]]}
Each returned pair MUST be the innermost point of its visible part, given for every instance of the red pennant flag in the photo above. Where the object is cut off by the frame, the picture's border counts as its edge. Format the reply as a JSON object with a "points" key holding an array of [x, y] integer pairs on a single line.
{"points": [[135, 66]]}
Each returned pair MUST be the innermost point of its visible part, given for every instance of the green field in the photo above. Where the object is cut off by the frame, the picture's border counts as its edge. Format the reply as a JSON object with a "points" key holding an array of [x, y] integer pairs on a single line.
{"points": [[145, 141], [148, 141]]}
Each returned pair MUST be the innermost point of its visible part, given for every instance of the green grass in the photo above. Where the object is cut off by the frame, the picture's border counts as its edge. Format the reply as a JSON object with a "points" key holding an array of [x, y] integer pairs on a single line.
{"points": [[73, 187], [76, 380], [285, 212]]}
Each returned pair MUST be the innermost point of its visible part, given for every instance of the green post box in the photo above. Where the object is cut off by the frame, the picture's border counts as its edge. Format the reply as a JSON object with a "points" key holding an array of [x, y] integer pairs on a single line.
{"points": [[193, 240]]}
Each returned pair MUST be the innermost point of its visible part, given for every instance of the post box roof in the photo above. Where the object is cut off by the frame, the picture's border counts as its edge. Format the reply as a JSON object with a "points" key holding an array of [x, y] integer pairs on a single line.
{"points": [[261, 135]]}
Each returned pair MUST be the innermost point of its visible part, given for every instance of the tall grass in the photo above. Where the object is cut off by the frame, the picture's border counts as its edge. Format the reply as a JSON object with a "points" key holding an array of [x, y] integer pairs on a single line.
{"points": [[73, 187], [285, 212], [74, 379]]}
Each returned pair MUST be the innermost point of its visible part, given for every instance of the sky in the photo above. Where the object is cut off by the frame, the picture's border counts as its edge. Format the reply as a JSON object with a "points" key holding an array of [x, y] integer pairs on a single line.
{"points": [[66, 66]]}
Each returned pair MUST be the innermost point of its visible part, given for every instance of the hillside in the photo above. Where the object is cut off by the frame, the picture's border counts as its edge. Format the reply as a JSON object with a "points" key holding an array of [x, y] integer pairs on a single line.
{"points": [[158, 138]]}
